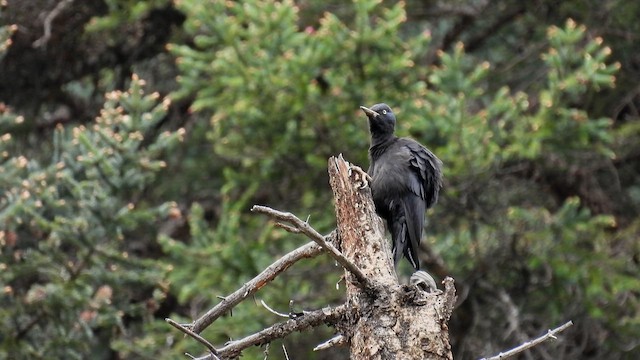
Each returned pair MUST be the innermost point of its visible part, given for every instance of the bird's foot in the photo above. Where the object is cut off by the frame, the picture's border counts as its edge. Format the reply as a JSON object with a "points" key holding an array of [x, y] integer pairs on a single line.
{"points": [[423, 281], [362, 179]]}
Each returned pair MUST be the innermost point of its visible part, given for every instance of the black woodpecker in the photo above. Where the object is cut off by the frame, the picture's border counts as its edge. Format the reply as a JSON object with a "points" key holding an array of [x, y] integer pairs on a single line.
{"points": [[406, 178]]}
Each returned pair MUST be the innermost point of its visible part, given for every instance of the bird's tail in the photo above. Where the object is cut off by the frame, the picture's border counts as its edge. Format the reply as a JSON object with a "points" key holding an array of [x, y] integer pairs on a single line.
{"points": [[398, 229], [414, 208], [405, 226]]}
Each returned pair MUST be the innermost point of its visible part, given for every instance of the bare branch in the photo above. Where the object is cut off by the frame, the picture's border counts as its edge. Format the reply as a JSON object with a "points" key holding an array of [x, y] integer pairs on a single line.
{"points": [[200, 339], [314, 318], [48, 20], [309, 250], [264, 304], [529, 344], [305, 228], [337, 340], [288, 228]]}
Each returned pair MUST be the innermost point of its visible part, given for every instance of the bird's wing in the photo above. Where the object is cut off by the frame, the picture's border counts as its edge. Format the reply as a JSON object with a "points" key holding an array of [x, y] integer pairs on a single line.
{"points": [[427, 170]]}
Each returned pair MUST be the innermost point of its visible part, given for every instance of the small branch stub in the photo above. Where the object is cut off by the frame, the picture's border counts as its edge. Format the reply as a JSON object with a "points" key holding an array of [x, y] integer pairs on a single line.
{"points": [[337, 340]]}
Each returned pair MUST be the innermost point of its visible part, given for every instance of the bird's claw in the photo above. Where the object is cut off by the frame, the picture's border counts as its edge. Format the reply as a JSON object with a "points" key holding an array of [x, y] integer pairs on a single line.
{"points": [[363, 180], [423, 281]]}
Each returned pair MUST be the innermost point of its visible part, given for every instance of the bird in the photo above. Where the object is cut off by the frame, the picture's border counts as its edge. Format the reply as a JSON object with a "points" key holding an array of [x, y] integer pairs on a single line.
{"points": [[406, 179]]}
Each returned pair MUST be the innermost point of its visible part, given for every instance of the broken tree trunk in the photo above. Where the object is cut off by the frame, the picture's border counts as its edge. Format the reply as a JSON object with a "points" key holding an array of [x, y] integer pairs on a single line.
{"points": [[395, 321]]}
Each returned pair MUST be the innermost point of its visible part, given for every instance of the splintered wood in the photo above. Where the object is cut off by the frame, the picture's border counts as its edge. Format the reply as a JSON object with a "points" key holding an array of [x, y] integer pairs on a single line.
{"points": [[395, 321]]}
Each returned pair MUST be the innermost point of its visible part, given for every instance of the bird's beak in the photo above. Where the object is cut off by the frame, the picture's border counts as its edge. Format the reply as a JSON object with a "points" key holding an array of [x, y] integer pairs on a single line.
{"points": [[369, 112]]}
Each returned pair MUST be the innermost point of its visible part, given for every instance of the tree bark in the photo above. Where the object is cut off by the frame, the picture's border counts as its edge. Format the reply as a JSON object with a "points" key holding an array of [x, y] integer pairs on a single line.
{"points": [[395, 321]]}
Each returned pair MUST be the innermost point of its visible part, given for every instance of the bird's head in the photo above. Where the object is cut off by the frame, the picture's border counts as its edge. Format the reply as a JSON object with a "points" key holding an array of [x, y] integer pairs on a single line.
{"points": [[382, 120]]}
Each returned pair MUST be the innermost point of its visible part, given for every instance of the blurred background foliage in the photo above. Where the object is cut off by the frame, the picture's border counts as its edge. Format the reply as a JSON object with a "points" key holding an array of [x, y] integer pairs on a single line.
{"points": [[124, 201]]}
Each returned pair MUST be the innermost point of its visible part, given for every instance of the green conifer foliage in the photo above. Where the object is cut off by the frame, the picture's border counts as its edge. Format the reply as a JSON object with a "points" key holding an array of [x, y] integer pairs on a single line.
{"points": [[71, 278]]}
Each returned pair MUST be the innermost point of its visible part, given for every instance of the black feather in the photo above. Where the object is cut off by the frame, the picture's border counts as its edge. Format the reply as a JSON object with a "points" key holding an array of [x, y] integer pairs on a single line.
{"points": [[406, 180]]}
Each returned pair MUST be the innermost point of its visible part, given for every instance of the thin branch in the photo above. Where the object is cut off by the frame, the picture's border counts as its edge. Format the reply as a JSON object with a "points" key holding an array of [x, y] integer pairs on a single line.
{"points": [[337, 340], [305, 228], [264, 304], [48, 20], [288, 228], [314, 318], [529, 344], [309, 250], [200, 339]]}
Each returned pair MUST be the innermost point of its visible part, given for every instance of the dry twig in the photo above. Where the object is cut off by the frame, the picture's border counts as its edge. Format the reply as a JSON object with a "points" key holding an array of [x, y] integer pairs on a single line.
{"points": [[328, 315], [298, 226], [249, 288], [529, 344], [199, 338], [48, 20], [264, 304], [337, 340]]}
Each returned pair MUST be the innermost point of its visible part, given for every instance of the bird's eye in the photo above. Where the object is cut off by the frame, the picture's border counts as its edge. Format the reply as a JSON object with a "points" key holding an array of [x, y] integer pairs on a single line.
{"points": [[384, 112]]}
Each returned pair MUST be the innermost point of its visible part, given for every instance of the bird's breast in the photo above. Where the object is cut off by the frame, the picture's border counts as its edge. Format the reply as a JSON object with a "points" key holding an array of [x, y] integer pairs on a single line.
{"points": [[389, 180]]}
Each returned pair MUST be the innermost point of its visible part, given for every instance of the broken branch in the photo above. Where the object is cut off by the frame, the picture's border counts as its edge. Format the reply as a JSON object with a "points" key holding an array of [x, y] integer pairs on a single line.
{"points": [[529, 344], [328, 315], [309, 250], [199, 338], [297, 225], [338, 340]]}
